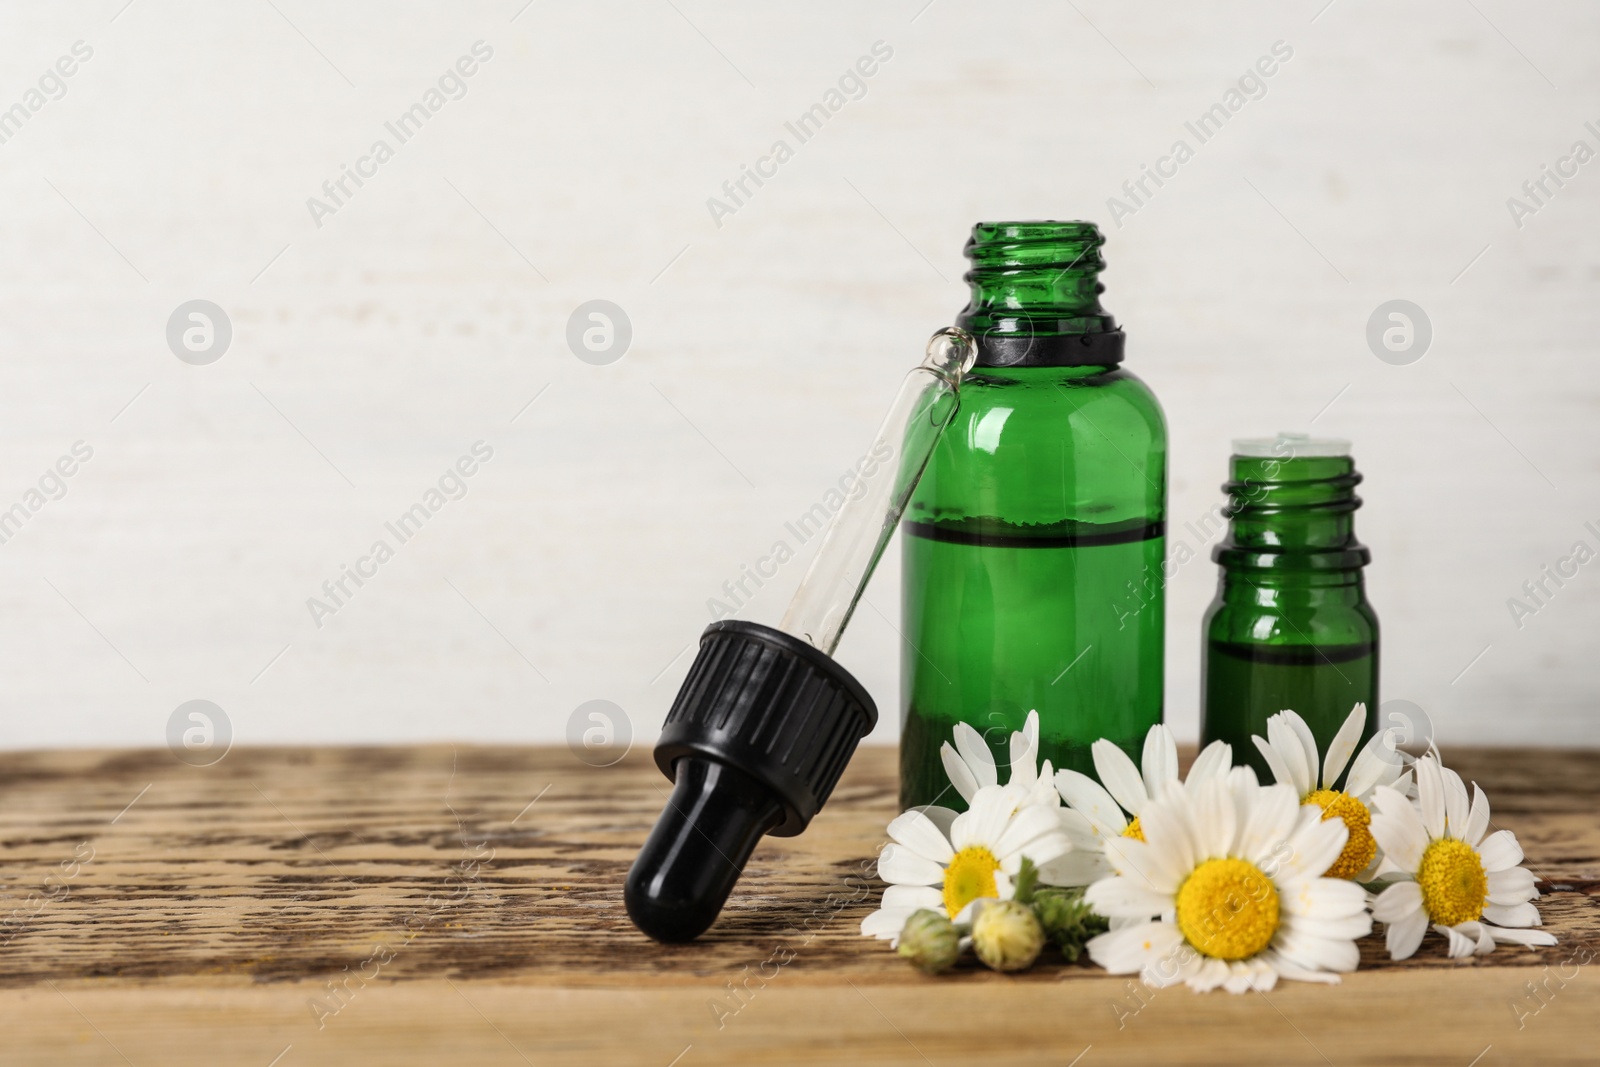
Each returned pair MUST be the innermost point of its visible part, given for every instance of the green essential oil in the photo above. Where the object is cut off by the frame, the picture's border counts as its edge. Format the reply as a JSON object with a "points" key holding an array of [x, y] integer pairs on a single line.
{"points": [[1290, 627], [1033, 546], [1088, 672]]}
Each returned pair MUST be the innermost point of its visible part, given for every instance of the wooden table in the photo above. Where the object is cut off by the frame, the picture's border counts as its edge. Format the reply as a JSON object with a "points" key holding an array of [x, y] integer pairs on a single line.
{"points": [[404, 905]]}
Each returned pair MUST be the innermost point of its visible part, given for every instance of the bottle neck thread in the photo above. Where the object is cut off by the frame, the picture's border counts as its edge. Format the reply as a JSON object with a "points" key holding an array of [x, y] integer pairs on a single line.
{"points": [[1293, 513], [1035, 296]]}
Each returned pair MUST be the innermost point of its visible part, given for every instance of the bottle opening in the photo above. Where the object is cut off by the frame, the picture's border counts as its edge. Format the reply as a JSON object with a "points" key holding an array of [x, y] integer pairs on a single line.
{"points": [[1290, 446]]}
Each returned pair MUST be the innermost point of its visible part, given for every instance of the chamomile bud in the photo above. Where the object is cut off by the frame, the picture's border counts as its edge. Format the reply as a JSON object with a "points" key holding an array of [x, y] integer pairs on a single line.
{"points": [[930, 941], [1007, 935]]}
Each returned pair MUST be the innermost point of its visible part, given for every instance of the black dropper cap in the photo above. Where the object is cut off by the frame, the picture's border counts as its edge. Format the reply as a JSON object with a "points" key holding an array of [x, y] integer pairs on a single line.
{"points": [[756, 740]]}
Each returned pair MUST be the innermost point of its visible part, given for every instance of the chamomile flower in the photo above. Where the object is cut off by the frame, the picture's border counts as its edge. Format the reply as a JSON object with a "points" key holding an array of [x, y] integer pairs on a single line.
{"points": [[1095, 812], [1291, 753], [971, 765], [1468, 885], [944, 862], [1234, 870]]}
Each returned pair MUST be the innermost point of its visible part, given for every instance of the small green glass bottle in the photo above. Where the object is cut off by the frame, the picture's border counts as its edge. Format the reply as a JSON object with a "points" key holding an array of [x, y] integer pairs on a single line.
{"points": [[1033, 546], [1290, 627]]}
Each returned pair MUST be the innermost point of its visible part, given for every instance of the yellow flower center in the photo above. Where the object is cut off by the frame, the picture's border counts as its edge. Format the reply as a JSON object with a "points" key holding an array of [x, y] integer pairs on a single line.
{"points": [[1134, 830], [1228, 909], [1360, 846], [969, 876], [1454, 885]]}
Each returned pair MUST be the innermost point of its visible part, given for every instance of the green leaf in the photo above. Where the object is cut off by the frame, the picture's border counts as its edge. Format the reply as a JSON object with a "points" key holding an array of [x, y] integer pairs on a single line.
{"points": [[1022, 886], [1067, 919]]}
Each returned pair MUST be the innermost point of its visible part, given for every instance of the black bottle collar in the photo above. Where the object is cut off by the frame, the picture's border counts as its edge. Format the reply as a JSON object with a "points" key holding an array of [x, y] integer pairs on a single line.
{"points": [[1050, 350]]}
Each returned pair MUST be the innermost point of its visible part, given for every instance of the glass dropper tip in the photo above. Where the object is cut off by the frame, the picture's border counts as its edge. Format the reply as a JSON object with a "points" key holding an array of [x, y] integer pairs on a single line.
{"points": [[951, 352]]}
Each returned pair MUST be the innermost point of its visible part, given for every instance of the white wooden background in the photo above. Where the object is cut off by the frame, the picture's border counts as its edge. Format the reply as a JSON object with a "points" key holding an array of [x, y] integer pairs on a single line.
{"points": [[369, 353]]}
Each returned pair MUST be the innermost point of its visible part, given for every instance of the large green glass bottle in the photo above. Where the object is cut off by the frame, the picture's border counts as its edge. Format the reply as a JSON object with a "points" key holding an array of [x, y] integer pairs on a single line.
{"points": [[1033, 545], [1290, 627]]}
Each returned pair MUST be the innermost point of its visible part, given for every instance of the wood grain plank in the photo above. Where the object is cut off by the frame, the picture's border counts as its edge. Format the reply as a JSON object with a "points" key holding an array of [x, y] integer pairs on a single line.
{"points": [[385, 893]]}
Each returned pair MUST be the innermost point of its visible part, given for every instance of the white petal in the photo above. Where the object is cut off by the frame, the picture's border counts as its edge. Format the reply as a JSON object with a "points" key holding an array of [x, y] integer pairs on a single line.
{"points": [[1180, 965], [1512, 886], [1265, 968], [1245, 792], [1210, 975], [1135, 949], [1377, 764], [1398, 829], [975, 751], [1461, 944], [912, 897], [1177, 961], [1025, 752], [1281, 773], [986, 819], [964, 916], [1383, 870], [1241, 977], [1026, 826], [943, 818], [1397, 901], [1306, 776], [1405, 934], [1477, 819], [1307, 816], [886, 923], [1332, 899], [1082, 832], [1075, 868], [960, 775], [1213, 761], [1126, 897], [1523, 914], [1531, 938], [1430, 796], [1500, 851], [1160, 762], [1119, 776], [1137, 860], [1273, 814], [1285, 969], [917, 832], [1169, 828], [1343, 745], [1090, 798], [1348, 928], [1120, 951], [1314, 846], [1455, 802], [1047, 848], [1043, 790], [1216, 821], [1369, 873], [1301, 946], [900, 865], [1238, 976]]}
